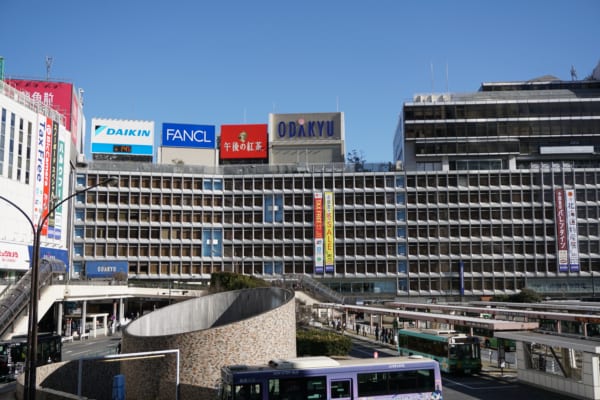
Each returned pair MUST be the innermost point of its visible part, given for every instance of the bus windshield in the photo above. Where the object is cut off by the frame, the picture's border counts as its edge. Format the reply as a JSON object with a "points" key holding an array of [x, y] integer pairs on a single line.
{"points": [[464, 351]]}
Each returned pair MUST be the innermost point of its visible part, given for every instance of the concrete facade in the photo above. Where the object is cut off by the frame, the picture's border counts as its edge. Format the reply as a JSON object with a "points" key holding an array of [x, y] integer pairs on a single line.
{"points": [[239, 327]]}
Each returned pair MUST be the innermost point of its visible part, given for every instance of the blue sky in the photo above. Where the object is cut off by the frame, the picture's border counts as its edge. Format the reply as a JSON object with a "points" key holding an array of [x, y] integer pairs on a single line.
{"points": [[230, 62]]}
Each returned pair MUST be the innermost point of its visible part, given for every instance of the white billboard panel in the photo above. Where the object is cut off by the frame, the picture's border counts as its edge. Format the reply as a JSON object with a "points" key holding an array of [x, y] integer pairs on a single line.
{"points": [[112, 136]]}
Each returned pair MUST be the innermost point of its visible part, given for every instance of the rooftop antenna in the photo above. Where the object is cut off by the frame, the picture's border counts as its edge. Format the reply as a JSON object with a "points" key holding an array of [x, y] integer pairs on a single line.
{"points": [[447, 77], [573, 73], [432, 85], [337, 103], [48, 66]]}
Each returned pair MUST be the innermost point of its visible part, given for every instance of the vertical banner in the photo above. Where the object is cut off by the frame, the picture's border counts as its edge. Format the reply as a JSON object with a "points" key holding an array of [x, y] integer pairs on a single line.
{"points": [[60, 182], [53, 171], [318, 218], [561, 230], [572, 234], [461, 277], [40, 146], [47, 173], [329, 233]]}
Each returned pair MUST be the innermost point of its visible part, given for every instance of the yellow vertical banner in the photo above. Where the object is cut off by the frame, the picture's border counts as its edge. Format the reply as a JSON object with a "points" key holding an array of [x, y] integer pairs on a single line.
{"points": [[329, 232]]}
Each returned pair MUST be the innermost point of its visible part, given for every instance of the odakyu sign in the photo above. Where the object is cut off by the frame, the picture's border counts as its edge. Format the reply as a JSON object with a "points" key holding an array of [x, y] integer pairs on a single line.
{"points": [[186, 135], [309, 127], [105, 269]]}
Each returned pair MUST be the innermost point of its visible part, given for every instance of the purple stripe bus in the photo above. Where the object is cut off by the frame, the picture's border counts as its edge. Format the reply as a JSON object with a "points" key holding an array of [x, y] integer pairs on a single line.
{"points": [[307, 378]]}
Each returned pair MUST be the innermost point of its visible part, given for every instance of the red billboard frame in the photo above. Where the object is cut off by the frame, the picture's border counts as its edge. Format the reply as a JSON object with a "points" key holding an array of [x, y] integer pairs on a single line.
{"points": [[247, 141]]}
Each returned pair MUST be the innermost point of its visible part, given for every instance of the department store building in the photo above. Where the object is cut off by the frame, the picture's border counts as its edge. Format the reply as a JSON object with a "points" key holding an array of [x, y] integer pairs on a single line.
{"points": [[497, 190]]}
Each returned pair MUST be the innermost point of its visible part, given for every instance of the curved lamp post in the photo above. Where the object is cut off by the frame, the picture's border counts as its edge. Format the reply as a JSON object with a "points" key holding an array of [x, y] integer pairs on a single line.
{"points": [[32, 328]]}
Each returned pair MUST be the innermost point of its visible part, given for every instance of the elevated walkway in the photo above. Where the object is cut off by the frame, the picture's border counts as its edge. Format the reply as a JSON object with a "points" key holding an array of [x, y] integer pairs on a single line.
{"points": [[555, 362], [54, 288]]}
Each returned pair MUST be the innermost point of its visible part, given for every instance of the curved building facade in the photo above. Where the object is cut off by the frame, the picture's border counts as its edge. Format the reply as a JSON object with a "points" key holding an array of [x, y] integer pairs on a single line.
{"points": [[229, 328]]}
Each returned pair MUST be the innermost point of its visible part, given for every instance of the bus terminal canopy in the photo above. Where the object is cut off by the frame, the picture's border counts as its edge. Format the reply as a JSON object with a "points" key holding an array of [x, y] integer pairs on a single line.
{"points": [[472, 322]]}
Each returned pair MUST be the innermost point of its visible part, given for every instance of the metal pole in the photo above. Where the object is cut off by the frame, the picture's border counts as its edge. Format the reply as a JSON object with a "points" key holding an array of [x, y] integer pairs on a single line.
{"points": [[32, 331]]}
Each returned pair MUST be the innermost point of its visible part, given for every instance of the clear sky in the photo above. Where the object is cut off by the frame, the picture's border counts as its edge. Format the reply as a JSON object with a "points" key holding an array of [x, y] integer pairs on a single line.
{"points": [[230, 62]]}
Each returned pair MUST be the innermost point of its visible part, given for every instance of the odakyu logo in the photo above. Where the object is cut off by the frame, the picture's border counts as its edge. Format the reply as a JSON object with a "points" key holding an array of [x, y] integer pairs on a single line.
{"points": [[306, 129]]}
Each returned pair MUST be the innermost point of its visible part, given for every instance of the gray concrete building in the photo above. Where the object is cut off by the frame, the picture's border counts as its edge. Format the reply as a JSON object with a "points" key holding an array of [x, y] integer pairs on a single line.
{"points": [[498, 191]]}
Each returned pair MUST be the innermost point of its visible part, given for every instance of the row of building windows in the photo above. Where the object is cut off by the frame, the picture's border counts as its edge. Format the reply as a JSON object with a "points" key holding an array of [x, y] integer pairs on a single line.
{"points": [[508, 230], [525, 109], [15, 142], [516, 179], [196, 216], [253, 183], [493, 215], [546, 129], [233, 201], [513, 197], [191, 269], [254, 233]]}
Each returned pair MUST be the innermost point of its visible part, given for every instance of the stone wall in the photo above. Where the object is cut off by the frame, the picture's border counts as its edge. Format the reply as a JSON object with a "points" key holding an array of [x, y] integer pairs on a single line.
{"points": [[250, 326]]}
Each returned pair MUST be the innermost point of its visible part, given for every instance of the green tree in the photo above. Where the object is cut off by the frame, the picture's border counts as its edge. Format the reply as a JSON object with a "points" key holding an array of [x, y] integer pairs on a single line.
{"points": [[526, 295], [225, 281], [357, 158]]}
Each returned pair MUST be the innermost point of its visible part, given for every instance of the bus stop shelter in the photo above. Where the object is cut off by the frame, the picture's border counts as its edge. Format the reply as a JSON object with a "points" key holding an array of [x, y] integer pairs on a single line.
{"points": [[558, 363]]}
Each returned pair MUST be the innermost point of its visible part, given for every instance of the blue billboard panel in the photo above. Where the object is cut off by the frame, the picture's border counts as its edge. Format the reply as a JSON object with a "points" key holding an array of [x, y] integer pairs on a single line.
{"points": [[105, 269], [186, 135], [52, 254]]}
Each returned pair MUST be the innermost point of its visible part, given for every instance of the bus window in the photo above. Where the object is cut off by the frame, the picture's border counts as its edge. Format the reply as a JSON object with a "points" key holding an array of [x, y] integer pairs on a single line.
{"points": [[248, 391], [298, 388], [396, 382], [340, 390]]}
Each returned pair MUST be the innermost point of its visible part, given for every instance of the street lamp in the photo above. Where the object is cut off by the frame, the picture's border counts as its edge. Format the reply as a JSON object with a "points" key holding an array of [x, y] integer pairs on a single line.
{"points": [[30, 366]]}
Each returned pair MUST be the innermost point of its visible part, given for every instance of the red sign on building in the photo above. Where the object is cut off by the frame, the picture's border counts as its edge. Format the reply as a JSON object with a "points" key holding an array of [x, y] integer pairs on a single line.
{"points": [[56, 95], [244, 141]]}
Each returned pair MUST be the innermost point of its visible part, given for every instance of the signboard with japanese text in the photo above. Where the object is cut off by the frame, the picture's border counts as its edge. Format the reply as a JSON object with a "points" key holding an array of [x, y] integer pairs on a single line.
{"points": [[318, 227], [572, 234], [247, 141], [561, 230], [59, 96], [329, 220]]}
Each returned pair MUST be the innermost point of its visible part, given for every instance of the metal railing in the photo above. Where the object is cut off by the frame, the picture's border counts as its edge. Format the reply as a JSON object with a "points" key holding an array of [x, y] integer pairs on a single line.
{"points": [[15, 299]]}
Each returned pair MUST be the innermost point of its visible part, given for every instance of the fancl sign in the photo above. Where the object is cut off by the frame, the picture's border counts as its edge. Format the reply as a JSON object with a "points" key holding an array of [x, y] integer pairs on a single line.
{"points": [[105, 269], [293, 128], [185, 135]]}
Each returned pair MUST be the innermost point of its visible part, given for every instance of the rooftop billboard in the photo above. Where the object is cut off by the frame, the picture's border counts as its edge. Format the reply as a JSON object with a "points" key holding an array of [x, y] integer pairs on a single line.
{"points": [[129, 137], [186, 135], [59, 96], [306, 128], [247, 141]]}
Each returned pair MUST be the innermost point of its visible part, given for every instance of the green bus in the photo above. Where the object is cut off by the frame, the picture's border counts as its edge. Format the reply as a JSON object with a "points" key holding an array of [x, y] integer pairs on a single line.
{"points": [[456, 353]]}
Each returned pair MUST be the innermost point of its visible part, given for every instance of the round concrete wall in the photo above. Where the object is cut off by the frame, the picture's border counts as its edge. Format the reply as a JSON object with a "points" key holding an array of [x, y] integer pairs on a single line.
{"points": [[239, 327]]}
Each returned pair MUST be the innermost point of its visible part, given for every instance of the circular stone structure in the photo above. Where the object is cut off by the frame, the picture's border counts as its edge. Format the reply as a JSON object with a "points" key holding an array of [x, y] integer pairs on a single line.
{"points": [[249, 326]]}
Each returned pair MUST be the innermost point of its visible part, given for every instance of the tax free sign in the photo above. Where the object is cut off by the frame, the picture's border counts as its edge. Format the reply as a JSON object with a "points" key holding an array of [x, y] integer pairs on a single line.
{"points": [[186, 135]]}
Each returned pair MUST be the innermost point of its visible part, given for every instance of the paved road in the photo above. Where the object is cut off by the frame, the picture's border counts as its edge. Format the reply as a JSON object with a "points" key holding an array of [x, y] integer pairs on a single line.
{"points": [[94, 347]]}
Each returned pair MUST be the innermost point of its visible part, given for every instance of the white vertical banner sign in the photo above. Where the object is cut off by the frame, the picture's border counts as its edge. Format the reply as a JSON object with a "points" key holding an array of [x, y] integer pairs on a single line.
{"points": [[571, 208]]}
